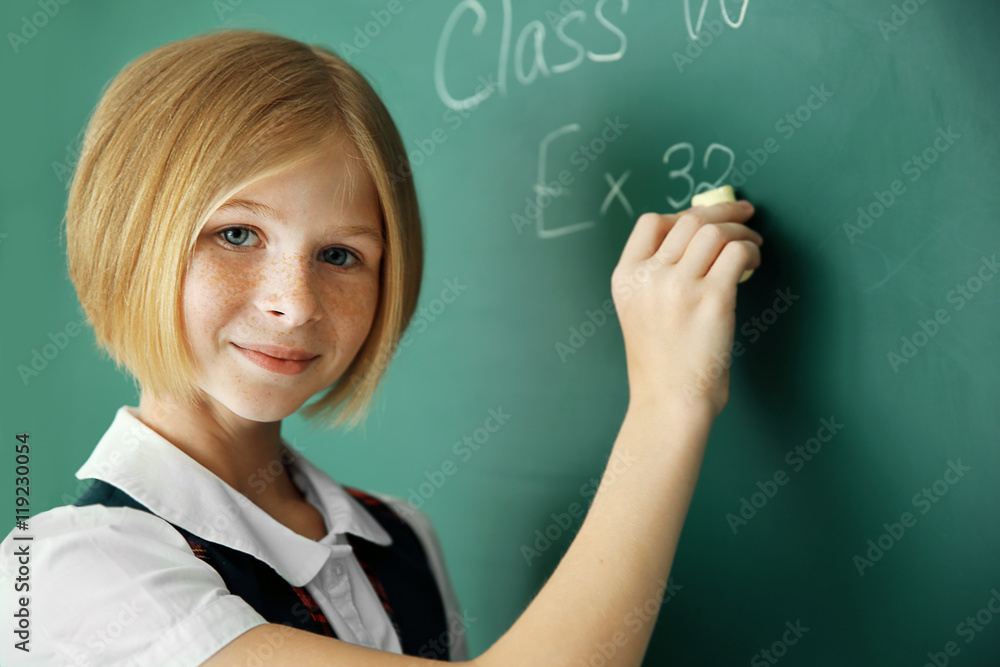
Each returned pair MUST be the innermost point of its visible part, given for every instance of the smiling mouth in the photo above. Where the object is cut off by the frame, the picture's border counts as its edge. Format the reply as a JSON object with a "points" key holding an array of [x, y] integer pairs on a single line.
{"points": [[275, 364], [282, 353]]}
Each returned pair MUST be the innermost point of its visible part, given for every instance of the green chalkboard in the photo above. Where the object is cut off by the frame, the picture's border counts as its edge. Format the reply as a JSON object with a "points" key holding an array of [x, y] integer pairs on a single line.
{"points": [[847, 509]]}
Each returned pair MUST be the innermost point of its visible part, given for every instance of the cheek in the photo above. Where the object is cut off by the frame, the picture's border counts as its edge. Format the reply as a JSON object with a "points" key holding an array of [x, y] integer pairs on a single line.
{"points": [[351, 307], [211, 290]]}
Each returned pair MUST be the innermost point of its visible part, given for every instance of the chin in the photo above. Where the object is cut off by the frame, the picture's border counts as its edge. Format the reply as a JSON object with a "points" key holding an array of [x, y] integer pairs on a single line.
{"points": [[263, 411]]}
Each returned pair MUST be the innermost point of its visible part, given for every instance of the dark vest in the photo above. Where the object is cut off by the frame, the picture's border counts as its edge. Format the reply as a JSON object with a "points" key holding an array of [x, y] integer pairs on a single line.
{"points": [[399, 573]]}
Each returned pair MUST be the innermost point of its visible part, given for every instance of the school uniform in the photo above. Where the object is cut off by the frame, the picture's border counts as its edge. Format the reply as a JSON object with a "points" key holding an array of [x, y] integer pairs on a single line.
{"points": [[161, 563]]}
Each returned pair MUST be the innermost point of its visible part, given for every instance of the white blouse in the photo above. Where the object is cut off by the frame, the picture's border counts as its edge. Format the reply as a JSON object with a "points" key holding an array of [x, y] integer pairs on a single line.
{"points": [[119, 586]]}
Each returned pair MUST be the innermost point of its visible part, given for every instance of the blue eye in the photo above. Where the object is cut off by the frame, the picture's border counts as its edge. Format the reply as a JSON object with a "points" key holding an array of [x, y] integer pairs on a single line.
{"points": [[235, 229], [336, 255], [347, 252]]}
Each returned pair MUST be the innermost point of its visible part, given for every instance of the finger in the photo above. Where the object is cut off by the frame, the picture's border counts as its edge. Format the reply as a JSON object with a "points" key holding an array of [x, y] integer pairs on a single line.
{"points": [[707, 244], [735, 258], [678, 238], [646, 237], [736, 211]]}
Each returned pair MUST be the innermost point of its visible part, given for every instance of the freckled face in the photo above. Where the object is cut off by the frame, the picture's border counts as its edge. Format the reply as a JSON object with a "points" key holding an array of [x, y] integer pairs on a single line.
{"points": [[285, 262]]}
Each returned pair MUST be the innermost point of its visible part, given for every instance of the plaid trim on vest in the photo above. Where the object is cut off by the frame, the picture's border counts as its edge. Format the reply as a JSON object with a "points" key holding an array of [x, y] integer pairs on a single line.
{"points": [[400, 574]]}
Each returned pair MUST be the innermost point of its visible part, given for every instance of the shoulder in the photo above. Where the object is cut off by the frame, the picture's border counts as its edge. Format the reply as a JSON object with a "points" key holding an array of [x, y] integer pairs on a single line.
{"points": [[413, 517], [422, 525], [399, 509], [112, 585], [92, 529]]}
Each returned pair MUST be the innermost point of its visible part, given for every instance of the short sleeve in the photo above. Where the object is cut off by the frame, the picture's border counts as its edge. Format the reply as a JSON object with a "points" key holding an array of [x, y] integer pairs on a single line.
{"points": [[455, 618], [115, 586]]}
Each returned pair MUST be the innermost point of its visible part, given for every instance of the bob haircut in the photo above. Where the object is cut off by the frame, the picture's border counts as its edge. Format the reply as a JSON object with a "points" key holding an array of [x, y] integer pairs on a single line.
{"points": [[176, 133]]}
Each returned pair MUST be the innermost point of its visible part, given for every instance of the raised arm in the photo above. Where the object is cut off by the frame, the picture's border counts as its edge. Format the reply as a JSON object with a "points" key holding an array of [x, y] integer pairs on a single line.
{"points": [[675, 293]]}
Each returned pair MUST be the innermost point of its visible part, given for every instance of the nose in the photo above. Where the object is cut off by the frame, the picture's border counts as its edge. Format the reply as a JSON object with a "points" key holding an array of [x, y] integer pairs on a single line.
{"points": [[288, 290]]}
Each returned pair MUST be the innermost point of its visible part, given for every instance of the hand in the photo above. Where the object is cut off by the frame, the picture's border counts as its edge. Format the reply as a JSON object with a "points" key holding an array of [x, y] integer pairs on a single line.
{"points": [[674, 289]]}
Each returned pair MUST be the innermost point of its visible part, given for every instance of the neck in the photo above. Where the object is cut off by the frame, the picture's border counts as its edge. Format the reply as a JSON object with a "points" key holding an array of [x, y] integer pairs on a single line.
{"points": [[245, 454]]}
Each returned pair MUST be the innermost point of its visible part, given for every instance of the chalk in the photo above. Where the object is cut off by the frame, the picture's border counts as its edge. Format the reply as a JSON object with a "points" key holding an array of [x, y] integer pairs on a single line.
{"points": [[725, 193]]}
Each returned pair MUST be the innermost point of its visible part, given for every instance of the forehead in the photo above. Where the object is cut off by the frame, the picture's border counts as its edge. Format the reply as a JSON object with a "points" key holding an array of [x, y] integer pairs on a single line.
{"points": [[337, 171], [334, 185]]}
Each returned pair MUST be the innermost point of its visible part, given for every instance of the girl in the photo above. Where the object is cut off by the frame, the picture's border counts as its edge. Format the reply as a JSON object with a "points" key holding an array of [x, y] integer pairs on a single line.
{"points": [[243, 233]]}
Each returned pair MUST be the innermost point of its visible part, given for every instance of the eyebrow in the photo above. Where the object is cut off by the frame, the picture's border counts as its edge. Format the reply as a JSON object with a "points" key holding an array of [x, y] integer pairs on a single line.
{"points": [[262, 210]]}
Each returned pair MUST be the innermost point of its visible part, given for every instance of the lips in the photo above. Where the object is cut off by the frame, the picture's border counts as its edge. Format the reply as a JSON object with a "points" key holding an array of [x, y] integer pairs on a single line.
{"points": [[277, 364], [278, 352]]}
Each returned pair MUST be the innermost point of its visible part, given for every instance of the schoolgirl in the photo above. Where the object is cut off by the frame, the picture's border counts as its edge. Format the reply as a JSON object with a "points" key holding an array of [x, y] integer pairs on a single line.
{"points": [[243, 234]]}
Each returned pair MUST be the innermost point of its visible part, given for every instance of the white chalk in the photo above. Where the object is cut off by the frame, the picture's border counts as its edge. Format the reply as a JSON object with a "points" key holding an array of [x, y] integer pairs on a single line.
{"points": [[725, 193]]}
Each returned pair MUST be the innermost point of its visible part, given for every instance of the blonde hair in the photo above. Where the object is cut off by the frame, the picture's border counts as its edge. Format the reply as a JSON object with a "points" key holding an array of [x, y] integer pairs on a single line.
{"points": [[178, 131]]}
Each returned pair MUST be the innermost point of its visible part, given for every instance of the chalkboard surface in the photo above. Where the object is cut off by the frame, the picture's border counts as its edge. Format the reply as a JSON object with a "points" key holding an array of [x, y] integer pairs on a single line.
{"points": [[847, 510]]}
